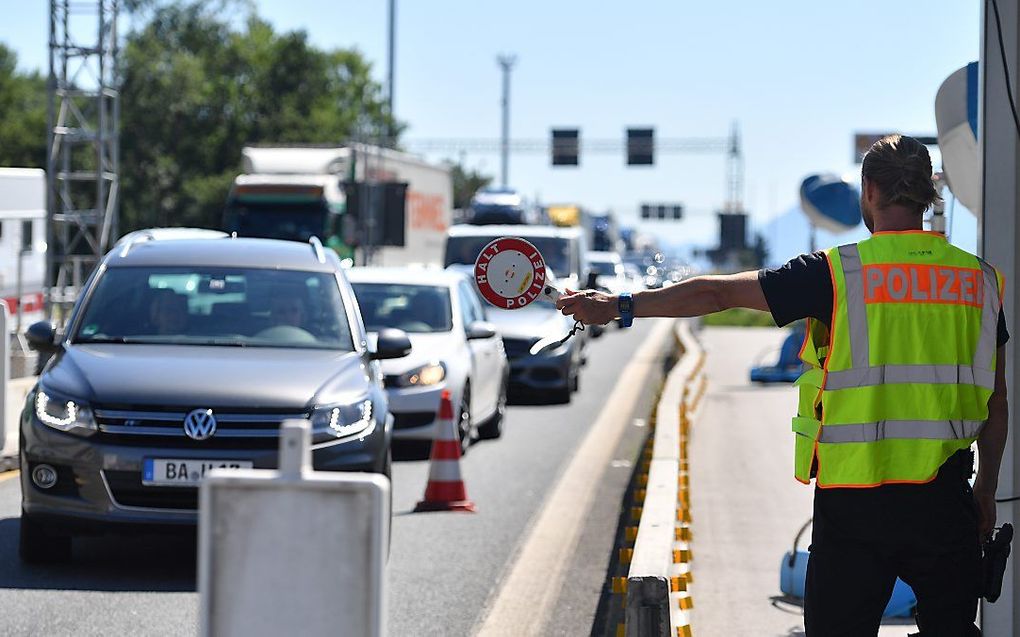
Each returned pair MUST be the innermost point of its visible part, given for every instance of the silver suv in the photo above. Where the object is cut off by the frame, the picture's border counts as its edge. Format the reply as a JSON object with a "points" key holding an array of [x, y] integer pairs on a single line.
{"points": [[185, 355]]}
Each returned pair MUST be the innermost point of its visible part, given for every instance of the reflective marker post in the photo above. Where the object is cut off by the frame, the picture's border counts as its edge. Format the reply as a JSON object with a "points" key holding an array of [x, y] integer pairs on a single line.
{"points": [[294, 551]]}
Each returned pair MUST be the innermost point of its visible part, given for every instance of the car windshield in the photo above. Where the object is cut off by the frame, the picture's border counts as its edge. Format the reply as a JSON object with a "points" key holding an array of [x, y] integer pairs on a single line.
{"points": [[412, 308], [216, 306], [606, 268], [555, 251], [295, 222]]}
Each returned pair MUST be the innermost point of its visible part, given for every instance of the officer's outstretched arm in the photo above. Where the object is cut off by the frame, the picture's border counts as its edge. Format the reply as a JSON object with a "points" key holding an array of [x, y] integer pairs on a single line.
{"points": [[694, 297], [703, 295]]}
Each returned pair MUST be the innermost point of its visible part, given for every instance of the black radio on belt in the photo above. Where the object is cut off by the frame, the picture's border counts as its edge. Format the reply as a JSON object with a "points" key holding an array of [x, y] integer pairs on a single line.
{"points": [[993, 563]]}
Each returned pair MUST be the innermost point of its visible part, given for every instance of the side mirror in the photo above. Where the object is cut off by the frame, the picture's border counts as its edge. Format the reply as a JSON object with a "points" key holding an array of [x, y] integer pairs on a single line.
{"points": [[42, 336], [480, 329], [391, 343]]}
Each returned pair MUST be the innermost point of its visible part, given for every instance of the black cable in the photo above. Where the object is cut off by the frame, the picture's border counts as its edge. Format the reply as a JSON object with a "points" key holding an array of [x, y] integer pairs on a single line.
{"points": [[1005, 67], [1013, 499]]}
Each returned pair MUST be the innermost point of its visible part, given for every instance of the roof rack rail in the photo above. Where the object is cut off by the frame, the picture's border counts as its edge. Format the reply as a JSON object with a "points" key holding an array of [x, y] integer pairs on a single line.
{"points": [[320, 254], [141, 237]]}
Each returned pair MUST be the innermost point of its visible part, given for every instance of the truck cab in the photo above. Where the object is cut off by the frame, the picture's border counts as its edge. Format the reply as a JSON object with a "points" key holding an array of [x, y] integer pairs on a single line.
{"points": [[289, 207]]}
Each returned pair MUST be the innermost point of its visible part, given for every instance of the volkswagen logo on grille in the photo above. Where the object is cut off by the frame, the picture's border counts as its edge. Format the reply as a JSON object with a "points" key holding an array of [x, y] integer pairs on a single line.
{"points": [[200, 424]]}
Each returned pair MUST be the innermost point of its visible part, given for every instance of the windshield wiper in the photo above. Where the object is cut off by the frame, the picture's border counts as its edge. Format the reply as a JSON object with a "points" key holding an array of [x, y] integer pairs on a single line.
{"points": [[226, 343], [104, 339]]}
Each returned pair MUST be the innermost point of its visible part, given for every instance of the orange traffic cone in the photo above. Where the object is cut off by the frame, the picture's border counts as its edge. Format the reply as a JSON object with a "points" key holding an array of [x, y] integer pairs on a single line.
{"points": [[445, 490]]}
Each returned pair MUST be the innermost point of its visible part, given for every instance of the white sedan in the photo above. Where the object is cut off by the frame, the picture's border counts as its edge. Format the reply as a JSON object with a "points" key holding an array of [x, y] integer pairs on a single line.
{"points": [[453, 347]]}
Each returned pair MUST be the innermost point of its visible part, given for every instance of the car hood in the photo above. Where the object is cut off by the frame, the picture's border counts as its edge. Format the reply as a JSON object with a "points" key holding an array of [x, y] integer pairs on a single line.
{"points": [[176, 375], [529, 322], [425, 348]]}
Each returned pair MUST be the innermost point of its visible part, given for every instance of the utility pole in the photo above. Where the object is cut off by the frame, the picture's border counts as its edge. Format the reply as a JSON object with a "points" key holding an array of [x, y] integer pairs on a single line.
{"points": [[507, 62], [391, 62]]}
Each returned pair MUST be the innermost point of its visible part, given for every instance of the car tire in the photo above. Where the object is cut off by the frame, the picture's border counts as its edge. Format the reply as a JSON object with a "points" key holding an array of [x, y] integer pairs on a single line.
{"points": [[561, 395], [36, 546], [575, 382], [464, 422], [493, 427]]}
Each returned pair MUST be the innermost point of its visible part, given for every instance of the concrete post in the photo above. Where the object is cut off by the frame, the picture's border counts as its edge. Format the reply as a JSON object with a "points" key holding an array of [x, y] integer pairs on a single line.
{"points": [[1000, 235], [294, 551]]}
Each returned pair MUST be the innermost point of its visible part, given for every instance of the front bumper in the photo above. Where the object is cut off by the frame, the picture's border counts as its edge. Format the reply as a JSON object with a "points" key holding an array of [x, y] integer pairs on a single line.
{"points": [[542, 373], [414, 411], [100, 488]]}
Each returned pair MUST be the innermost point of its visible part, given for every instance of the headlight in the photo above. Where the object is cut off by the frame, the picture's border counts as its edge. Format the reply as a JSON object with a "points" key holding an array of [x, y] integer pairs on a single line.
{"points": [[340, 421], [64, 415], [429, 374]]}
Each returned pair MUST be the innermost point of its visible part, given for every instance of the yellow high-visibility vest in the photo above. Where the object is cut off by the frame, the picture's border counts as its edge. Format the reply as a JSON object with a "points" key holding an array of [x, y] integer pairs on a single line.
{"points": [[901, 379]]}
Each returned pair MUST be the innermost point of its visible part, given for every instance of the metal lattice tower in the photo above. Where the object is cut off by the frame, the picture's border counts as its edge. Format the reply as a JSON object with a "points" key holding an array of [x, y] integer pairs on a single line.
{"points": [[734, 173], [82, 162]]}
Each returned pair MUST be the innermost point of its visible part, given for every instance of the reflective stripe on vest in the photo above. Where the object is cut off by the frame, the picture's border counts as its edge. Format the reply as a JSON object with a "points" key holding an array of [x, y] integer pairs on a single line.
{"points": [[863, 374], [931, 374], [891, 429]]}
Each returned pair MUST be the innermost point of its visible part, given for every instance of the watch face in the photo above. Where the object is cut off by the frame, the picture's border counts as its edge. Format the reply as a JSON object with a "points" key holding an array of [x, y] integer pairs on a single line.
{"points": [[626, 304]]}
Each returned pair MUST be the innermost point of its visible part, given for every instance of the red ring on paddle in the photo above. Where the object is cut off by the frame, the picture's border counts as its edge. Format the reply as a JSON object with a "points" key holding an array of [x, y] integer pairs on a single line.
{"points": [[510, 272]]}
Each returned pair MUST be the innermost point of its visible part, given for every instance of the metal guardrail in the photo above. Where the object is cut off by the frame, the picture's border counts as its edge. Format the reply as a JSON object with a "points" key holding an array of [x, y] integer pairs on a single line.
{"points": [[658, 584]]}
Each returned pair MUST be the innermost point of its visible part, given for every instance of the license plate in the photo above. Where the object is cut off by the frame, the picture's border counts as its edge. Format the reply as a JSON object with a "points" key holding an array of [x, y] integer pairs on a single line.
{"points": [[184, 472]]}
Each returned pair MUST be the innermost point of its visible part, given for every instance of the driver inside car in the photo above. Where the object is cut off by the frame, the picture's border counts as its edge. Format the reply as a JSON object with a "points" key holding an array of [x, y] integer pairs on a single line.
{"points": [[168, 313], [287, 309]]}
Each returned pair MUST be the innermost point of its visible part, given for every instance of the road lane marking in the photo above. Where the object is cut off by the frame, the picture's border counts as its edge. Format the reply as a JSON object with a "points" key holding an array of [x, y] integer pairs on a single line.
{"points": [[9, 475], [529, 592]]}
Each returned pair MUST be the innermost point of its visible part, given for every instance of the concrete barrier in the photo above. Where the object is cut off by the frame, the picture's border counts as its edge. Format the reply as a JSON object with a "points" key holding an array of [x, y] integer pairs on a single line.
{"points": [[294, 551], [658, 596]]}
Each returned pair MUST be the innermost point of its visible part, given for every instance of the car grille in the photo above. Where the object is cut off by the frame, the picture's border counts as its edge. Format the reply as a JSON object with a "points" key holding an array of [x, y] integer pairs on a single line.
{"points": [[152, 427], [518, 347], [127, 489]]}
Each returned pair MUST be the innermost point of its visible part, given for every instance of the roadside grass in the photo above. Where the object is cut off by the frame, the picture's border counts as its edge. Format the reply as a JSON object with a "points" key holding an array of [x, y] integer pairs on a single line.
{"points": [[739, 317]]}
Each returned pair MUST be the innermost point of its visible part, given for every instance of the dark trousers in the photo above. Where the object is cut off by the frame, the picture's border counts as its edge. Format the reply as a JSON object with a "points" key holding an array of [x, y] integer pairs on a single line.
{"points": [[863, 539]]}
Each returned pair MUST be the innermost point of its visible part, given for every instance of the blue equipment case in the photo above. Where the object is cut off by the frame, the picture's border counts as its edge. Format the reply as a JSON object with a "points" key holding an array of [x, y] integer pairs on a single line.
{"points": [[793, 576]]}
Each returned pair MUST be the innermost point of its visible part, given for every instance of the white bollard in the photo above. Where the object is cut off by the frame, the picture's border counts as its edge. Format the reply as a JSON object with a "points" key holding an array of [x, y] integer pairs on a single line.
{"points": [[294, 551]]}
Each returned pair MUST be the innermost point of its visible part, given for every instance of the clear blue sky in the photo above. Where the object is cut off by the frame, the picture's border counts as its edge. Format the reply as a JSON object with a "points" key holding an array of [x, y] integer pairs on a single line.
{"points": [[800, 77]]}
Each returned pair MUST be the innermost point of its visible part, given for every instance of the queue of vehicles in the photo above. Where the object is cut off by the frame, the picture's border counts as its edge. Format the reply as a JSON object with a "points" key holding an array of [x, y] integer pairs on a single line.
{"points": [[187, 348]]}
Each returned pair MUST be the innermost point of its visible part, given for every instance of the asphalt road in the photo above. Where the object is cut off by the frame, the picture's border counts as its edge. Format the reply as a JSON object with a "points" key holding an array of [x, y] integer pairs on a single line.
{"points": [[746, 505], [444, 568]]}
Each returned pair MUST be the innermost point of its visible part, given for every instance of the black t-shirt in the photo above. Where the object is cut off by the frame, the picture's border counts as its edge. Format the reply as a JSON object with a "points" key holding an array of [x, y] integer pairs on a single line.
{"points": [[803, 288]]}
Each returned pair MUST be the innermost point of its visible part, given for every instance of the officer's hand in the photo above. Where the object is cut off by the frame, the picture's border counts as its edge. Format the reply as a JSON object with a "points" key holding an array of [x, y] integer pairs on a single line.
{"points": [[588, 306], [985, 501]]}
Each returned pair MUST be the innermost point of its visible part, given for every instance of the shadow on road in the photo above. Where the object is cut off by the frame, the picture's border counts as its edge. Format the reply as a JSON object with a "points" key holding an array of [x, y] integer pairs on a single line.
{"points": [[161, 563]]}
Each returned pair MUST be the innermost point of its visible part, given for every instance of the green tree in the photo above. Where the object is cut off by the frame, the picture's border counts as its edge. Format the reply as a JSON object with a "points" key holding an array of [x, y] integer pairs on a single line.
{"points": [[466, 182], [22, 114], [197, 89]]}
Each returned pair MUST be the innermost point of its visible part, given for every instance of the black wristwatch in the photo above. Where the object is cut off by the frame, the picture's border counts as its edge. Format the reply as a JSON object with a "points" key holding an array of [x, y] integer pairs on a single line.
{"points": [[625, 306]]}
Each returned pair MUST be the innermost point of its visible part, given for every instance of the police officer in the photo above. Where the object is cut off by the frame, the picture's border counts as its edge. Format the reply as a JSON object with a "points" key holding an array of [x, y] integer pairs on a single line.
{"points": [[904, 353]]}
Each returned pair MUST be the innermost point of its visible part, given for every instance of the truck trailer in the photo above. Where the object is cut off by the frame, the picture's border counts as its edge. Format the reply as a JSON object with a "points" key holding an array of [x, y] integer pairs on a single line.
{"points": [[23, 244], [371, 204]]}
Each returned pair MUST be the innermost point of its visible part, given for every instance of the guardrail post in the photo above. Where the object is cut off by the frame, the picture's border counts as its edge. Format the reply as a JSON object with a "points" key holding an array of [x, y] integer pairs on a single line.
{"points": [[294, 551]]}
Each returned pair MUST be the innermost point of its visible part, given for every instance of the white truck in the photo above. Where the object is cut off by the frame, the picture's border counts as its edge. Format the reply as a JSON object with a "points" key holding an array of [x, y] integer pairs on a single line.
{"points": [[23, 244], [296, 192]]}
